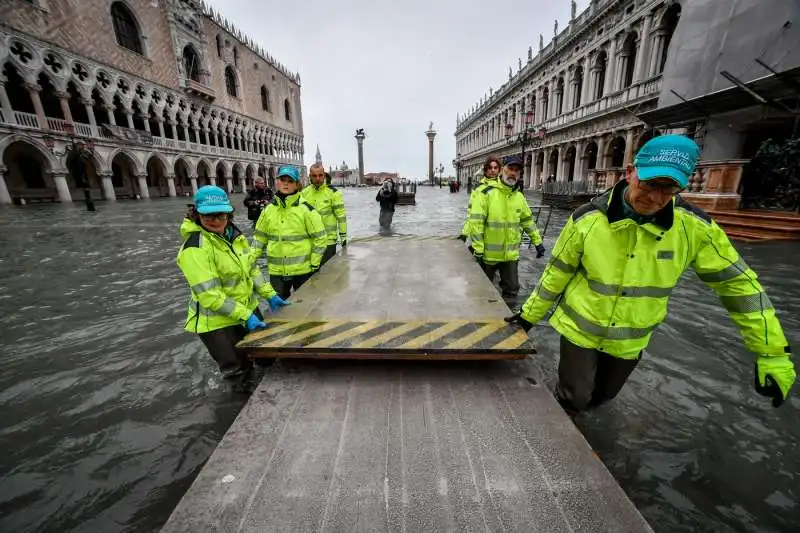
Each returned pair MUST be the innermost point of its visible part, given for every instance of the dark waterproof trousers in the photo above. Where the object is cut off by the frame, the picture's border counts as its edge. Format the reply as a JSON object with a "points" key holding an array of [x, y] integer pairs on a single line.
{"points": [[330, 251], [509, 278], [283, 285], [588, 378], [385, 218], [235, 366]]}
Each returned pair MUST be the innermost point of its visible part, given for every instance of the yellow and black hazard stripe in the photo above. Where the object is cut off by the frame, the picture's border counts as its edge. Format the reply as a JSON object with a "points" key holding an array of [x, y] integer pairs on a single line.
{"points": [[401, 337]]}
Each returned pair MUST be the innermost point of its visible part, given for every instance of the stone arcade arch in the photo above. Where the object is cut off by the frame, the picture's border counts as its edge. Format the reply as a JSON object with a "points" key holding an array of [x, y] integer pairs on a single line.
{"points": [[29, 173], [156, 177], [183, 185], [124, 174]]}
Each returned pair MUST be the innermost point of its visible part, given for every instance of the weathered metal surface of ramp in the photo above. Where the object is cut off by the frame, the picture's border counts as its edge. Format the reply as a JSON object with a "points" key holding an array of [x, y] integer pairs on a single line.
{"points": [[376, 446], [395, 297]]}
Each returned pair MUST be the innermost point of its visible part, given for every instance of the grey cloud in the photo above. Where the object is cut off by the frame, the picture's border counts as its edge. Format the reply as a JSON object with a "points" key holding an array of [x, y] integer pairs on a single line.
{"points": [[392, 67]]}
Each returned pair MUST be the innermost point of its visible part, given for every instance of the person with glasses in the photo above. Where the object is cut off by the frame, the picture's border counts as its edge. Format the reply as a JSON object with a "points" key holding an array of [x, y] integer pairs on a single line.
{"points": [[292, 233], [615, 265], [224, 285]]}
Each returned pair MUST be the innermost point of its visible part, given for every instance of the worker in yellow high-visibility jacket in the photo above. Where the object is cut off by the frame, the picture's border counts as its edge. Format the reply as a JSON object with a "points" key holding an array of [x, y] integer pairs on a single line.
{"points": [[491, 169], [329, 203], [291, 232], [615, 265], [498, 216]]}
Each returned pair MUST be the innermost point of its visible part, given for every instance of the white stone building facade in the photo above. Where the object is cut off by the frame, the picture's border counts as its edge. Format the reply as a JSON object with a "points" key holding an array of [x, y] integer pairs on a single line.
{"points": [[581, 92], [157, 98]]}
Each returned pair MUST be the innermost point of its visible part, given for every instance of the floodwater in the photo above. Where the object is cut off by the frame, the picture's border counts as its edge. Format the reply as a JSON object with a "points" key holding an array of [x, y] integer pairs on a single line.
{"points": [[109, 409]]}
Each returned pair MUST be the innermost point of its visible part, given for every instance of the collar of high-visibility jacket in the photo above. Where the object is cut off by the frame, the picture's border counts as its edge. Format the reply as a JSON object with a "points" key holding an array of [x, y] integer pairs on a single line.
{"points": [[611, 203], [289, 200]]}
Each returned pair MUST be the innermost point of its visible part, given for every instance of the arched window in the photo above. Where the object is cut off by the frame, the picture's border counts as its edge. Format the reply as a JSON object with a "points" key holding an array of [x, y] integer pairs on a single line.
{"points": [[287, 110], [219, 46], [264, 98], [125, 27], [191, 63], [230, 81]]}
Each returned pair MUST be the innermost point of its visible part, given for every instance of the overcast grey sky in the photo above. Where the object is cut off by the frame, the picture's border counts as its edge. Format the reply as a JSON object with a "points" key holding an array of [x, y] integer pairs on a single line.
{"points": [[391, 67]]}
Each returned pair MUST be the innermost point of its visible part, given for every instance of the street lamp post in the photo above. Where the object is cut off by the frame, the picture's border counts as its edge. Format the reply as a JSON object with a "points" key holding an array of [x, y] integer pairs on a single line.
{"points": [[526, 138]]}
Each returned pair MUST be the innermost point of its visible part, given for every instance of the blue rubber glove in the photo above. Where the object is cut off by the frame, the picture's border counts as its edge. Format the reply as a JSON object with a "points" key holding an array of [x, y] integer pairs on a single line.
{"points": [[253, 323], [276, 302]]}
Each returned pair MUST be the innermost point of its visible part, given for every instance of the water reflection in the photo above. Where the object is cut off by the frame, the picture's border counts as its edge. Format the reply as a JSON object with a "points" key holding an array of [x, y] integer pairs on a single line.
{"points": [[110, 409]]}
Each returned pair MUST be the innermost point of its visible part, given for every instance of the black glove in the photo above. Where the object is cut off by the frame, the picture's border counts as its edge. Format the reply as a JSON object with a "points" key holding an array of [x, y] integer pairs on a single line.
{"points": [[478, 258], [471, 249], [462, 238], [516, 318], [539, 251], [344, 243]]}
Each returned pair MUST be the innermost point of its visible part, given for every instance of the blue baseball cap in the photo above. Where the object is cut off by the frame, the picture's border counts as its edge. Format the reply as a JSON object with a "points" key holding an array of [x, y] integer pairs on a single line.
{"points": [[668, 156], [513, 160], [212, 199], [289, 172]]}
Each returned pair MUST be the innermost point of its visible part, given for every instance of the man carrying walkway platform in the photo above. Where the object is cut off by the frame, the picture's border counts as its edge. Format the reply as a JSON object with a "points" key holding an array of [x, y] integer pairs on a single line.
{"points": [[328, 202], [498, 216], [615, 264]]}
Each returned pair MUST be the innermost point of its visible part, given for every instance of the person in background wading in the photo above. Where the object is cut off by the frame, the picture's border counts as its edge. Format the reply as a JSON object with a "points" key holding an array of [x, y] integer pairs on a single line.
{"points": [[224, 285], [259, 197], [387, 197]]}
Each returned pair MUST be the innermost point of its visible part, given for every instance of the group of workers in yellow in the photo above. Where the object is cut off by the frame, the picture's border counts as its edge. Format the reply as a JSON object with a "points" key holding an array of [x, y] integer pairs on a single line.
{"points": [[607, 282], [299, 230]]}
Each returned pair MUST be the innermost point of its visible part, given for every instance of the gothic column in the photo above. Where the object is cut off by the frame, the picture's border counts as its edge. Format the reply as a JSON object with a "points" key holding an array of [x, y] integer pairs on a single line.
{"points": [[243, 183], [33, 92], [185, 131], [146, 119], [87, 104], [643, 54], [60, 179], [546, 166], [611, 56], [193, 181], [107, 184], [110, 111], [172, 129], [580, 148], [628, 148], [171, 186], [601, 152], [144, 191], [129, 116], [212, 180], [229, 184], [63, 100], [5, 103], [204, 135], [657, 55], [587, 74], [161, 133], [5, 197]]}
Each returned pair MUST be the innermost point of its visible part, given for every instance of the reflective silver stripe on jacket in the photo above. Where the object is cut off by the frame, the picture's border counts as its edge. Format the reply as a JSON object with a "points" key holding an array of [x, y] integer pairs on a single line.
{"points": [[225, 310], [326, 211], [501, 247], [288, 238], [607, 289], [606, 332], [258, 233], [749, 303], [199, 288], [561, 265], [501, 225], [729, 272], [545, 294], [317, 234], [291, 260], [319, 251]]}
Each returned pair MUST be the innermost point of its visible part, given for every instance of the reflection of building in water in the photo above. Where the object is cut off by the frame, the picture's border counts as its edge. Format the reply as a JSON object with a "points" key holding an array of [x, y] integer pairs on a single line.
{"points": [[169, 95], [344, 175]]}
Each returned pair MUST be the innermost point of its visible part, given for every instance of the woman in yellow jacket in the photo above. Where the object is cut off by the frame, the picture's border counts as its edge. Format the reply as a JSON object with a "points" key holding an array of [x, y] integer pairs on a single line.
{"points": [[215, 259], [292, 233]]}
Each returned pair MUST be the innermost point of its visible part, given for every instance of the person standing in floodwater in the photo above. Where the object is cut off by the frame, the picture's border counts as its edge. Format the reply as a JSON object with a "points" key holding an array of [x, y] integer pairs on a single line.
{"points": [[224, 285], [387, 197]]}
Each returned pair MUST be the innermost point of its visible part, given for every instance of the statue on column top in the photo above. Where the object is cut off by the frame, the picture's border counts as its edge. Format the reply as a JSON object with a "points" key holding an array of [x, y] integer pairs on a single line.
{"points": [[541, 42], [574, 9], [509, 73], [520, 62], [530, 53], [555, 28]]}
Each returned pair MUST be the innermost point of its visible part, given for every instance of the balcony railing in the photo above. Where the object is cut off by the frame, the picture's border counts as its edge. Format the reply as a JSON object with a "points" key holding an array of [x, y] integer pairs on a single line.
{"points": [[63, 127]]}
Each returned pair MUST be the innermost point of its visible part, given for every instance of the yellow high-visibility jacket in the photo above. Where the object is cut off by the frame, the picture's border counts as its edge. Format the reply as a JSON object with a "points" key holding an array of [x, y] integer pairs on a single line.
{"points": [[221, 278], [329, 203], [497, 219], [612, 277], [292, 233]]}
